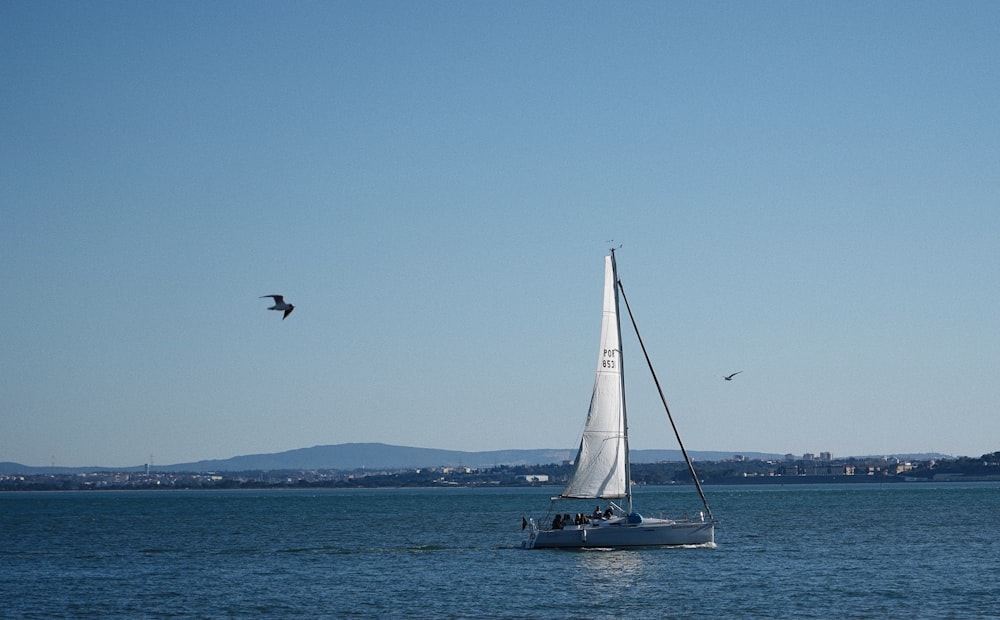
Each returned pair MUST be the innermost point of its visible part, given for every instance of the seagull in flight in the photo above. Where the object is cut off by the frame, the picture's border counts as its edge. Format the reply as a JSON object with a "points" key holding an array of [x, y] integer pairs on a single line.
{"points": [[729, 378], [279, 304]]}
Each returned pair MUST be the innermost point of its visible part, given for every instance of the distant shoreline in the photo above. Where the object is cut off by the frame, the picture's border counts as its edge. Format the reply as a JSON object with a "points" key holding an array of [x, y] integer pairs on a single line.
{"points": [[192, 482], [736, 471]]}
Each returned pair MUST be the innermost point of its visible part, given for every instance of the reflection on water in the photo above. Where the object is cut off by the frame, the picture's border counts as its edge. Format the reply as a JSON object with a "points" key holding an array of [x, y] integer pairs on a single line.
{"points": [[611, 573], [610, 563]]}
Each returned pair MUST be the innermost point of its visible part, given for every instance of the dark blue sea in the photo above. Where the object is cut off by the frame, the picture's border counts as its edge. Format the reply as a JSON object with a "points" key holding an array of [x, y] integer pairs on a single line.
{"points": [[905, 550]]}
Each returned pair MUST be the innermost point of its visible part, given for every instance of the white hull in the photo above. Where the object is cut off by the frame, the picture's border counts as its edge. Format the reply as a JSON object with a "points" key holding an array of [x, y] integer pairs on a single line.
{"points": [[619, 533]]}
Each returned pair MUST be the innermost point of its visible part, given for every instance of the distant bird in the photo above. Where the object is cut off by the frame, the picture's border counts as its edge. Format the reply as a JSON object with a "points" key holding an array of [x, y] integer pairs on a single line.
{"points": [[729, 378], [279, 304]]}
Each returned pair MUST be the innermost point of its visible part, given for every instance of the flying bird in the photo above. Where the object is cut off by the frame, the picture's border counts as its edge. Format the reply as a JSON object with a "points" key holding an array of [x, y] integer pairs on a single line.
{"points": [[279, 304], [729, 378]]}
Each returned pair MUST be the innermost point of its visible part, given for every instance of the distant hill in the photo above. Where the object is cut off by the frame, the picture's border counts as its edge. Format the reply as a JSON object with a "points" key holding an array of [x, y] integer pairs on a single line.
{"points": [[384, 456], [373, 456], [380, 456]]}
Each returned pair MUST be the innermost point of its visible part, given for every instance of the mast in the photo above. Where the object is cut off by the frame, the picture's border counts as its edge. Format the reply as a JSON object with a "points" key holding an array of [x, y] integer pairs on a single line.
{"points": [[621, 380]]}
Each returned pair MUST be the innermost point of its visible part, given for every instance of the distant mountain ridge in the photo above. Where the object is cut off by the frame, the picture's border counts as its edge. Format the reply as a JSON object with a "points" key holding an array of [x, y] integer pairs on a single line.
{"points": [[349, 456], [380, 456], [385, 456]]}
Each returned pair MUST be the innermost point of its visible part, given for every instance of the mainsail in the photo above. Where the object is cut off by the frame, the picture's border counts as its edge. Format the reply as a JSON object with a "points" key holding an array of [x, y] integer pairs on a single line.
{"points": [[601, 463]]}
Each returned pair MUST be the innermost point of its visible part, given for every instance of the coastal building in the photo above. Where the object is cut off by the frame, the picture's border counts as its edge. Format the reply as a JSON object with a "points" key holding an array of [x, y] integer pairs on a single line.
{"points": [[534, 477]]}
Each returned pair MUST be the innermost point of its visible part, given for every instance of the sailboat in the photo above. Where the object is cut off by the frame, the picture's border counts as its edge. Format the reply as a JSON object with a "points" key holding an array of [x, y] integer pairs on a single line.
{"points": [[602, 462]]}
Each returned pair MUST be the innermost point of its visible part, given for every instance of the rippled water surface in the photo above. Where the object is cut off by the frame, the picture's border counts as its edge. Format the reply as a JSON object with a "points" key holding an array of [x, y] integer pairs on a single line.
{"points": [[796, 551]]}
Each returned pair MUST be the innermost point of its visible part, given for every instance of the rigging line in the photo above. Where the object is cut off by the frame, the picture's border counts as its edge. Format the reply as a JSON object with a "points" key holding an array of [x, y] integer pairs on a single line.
{"points": [[663, 399]]}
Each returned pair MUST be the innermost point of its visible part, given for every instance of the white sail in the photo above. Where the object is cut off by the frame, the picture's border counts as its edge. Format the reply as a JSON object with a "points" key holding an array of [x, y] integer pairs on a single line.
{"points": [[601, 461]]}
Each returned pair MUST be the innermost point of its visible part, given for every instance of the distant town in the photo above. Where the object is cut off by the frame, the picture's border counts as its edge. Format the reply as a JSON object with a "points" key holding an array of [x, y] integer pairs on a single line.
{"points": [[792, 469]]}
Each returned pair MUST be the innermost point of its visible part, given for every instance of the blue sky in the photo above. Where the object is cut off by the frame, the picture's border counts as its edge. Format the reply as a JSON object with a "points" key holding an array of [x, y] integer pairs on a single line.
{"points": [[805, 191]]}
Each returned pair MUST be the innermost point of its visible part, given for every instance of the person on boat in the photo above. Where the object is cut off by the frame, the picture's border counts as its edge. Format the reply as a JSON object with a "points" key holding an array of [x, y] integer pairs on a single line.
{"points": [[597, 513], [557, 523], [608, 513]]}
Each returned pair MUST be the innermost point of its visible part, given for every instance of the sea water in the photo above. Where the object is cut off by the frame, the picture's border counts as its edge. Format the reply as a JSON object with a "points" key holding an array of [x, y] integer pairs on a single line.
{"points": [[905, 550]]}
